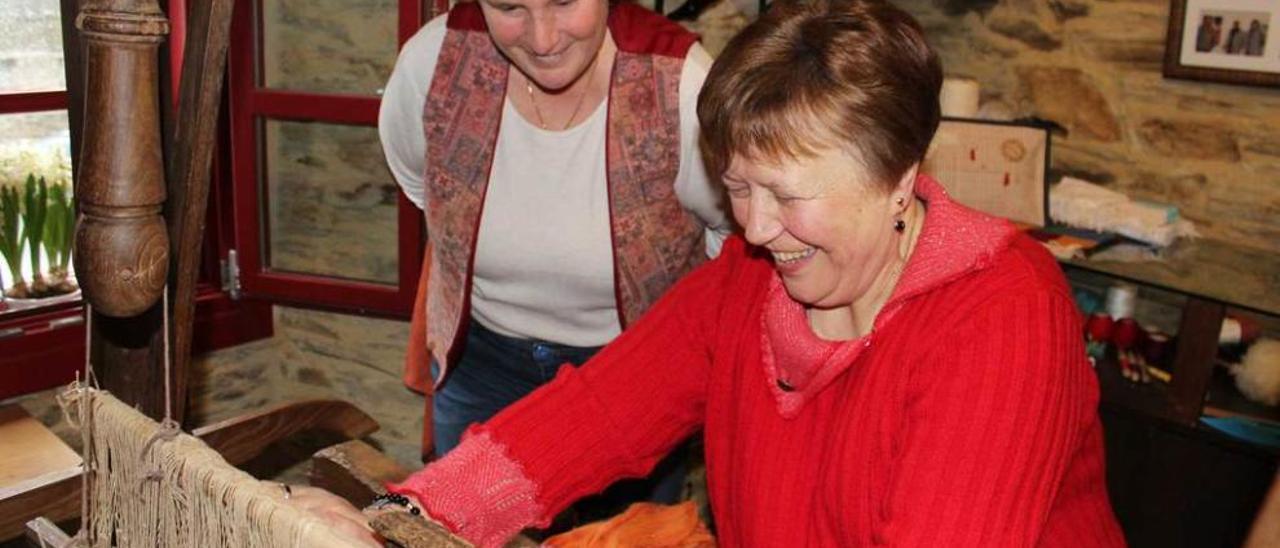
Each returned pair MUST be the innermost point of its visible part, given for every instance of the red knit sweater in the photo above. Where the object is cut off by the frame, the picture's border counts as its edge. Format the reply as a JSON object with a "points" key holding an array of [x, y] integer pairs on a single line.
{"points": [[968, 417]]}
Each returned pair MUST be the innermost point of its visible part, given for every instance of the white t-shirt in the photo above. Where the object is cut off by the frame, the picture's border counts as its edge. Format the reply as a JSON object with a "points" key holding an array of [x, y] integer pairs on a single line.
{"points": [[544, 256]]}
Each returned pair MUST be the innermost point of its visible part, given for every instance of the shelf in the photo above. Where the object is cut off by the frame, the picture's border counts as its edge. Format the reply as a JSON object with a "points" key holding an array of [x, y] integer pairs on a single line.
{"points": [[1218, 271]]}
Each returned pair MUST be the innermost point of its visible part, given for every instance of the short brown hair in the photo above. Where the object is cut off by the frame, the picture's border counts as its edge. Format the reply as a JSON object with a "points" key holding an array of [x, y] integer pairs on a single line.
{"points": [[854, 74]]}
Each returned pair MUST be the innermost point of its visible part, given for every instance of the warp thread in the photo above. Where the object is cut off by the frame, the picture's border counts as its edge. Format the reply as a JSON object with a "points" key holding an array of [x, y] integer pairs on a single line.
{"points": [[178, 493]]}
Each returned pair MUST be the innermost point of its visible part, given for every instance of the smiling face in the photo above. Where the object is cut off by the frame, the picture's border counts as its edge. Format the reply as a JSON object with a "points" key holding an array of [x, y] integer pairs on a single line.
{"points": [[828, 227], [552, 42]]}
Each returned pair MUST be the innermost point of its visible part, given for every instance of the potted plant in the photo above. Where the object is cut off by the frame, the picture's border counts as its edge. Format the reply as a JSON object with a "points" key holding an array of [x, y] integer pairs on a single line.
{"points": [[40, 220]]}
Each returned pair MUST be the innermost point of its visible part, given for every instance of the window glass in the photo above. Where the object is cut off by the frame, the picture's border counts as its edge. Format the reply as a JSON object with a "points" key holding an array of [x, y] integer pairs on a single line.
{"points": [[328, 46], [331, 205], [30, 46]]}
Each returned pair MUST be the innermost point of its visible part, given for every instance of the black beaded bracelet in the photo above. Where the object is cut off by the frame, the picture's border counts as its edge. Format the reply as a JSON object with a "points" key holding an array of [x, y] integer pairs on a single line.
{"points": [[385, 499]]}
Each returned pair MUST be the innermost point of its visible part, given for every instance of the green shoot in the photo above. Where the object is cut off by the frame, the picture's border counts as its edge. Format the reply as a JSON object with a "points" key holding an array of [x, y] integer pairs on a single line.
{"points": [[10, 238], [35, 208], [59, 229]]}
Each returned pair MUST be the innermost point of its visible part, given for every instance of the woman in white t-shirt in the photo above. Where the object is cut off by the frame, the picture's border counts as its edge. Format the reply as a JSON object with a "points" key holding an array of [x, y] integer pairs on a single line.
{"points": [[552, 145]]}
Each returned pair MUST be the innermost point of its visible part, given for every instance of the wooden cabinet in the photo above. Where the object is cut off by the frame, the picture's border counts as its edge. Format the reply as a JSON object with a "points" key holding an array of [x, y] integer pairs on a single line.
{"points": [[1173, 480]]}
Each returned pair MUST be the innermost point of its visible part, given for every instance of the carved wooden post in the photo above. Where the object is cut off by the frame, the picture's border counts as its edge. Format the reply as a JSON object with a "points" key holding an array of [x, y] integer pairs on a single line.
{"points": [[121, 240], [122, 245]]}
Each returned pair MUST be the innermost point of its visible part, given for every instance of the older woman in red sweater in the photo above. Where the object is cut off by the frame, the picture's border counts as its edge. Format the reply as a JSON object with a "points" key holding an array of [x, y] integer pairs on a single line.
{"points": [[870, 362]]}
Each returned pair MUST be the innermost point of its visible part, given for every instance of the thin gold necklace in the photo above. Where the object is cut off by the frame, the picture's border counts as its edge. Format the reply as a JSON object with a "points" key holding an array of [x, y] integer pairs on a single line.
{"points": [[542, 123]]}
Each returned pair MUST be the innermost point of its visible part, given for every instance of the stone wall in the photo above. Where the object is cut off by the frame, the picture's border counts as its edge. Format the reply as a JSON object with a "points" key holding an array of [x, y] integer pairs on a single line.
{"points": [[1094, 66], [316, 355]]}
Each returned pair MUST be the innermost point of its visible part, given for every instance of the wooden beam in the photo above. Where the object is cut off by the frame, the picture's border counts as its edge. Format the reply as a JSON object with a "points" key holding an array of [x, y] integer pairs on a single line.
{"points": [[1193, 360], [354, 471], [73, 69], [194, 138], [412, 531], [44, 533], [128, 359], [242, 438]]}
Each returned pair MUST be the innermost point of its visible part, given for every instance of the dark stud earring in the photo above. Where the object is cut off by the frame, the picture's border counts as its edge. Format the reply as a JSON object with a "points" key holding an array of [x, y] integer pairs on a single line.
{"points": [[900, 225]]}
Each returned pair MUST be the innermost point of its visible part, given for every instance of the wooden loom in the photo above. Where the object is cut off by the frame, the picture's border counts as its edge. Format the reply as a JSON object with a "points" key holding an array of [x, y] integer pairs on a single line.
{"points": [[124, 263]]}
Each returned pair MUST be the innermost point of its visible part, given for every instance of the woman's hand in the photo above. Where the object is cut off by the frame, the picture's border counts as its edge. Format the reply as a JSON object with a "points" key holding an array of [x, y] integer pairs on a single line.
{"points": [[335, 511]]}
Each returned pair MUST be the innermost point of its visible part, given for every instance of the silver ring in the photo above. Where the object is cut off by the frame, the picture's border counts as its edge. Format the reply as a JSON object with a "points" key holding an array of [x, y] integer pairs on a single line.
{"points": [[288, 491]]}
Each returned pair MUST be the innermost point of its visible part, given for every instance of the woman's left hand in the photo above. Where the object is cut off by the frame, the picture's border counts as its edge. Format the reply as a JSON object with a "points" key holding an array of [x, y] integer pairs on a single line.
{"points": [[335, 510]]}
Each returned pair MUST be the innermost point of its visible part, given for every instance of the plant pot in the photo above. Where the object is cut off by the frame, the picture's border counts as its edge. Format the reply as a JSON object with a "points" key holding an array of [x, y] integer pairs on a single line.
{"points": [[10, 304]]}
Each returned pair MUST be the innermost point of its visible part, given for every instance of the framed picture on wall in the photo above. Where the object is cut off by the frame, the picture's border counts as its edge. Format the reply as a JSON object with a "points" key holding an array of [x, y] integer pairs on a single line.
{"points": [[1229, 41]]}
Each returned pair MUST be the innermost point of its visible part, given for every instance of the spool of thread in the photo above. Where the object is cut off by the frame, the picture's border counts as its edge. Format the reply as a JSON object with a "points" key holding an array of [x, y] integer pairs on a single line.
{"points": [[1089, 301], [1126, 334], [1121, 301], [959, 97], [1237, 330], [1099, 327]]}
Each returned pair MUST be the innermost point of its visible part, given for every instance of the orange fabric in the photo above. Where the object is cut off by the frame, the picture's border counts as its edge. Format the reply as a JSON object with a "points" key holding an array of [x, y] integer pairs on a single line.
{"points": [[417, 360], [643, 524]]}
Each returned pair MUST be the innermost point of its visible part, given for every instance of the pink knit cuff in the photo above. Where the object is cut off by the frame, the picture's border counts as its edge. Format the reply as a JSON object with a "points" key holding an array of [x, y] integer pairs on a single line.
{"points": [[477, 491]]}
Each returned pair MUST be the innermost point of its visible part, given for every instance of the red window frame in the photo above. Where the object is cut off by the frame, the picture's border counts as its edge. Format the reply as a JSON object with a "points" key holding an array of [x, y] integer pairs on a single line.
{"points": [[38, 101], [251, 104], [44, 347]]}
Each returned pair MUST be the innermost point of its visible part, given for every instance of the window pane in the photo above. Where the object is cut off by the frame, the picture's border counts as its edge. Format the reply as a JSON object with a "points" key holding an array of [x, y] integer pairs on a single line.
{"points": [[39, 144], [331, 207], [328, 46], [30, 46]]}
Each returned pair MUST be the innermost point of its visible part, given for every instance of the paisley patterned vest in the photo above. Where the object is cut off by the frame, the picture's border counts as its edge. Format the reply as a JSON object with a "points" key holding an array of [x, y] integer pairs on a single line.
{"points": [[655, 241]]}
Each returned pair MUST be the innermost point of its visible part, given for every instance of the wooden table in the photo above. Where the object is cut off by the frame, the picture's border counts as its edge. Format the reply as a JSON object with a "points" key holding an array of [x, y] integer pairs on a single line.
{"points": [[32, 458]]}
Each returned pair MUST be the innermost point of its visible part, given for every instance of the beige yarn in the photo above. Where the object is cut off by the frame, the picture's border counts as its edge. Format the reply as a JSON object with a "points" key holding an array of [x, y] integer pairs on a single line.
{"points": [[149, 488]]}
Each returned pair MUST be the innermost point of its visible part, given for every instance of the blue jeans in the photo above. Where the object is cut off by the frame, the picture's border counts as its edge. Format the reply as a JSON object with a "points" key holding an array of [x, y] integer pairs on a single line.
{"points": [[495, 370]]}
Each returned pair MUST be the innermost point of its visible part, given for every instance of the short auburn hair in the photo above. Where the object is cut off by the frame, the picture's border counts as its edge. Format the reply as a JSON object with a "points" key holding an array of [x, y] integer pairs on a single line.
{"points": [[810, 74]]}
